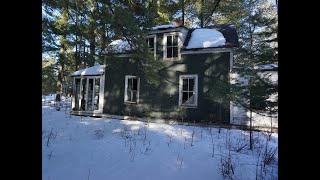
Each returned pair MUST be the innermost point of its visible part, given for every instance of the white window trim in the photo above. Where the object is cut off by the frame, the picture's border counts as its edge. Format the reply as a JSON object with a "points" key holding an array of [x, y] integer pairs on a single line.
{"points": [[164, 43], [126, 87], [154, 44], [195, 76]]}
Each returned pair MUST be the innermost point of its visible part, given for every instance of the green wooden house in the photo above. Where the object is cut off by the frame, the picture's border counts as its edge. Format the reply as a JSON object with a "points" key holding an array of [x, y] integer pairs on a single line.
{"points": [[194, 59]]}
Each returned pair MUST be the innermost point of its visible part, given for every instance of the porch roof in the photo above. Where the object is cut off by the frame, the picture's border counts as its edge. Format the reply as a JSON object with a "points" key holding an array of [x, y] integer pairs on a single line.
{"points": [[94, 70]]}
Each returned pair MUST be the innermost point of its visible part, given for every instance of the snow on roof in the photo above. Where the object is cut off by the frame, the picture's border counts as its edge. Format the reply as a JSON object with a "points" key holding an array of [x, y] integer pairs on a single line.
{"points": [[120, 46], [266, 67], [204, 38], [94, 70], [165, 26]]}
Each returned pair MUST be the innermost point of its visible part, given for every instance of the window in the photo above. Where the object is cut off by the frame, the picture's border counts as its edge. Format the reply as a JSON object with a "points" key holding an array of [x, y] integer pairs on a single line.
{"points": [[171, 46], [96, 94], [188, 90], [87, 94], [131, 93], [151, 41]]}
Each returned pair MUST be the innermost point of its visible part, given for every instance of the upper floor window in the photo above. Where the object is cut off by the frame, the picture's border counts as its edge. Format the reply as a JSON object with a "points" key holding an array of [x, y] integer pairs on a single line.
{"points": [[151, 41], [131, 92], [171, 46]]}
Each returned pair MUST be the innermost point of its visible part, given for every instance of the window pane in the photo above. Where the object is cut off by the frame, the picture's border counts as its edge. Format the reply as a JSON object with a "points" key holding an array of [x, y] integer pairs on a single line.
{"points": [[134, 96], [175, 40], [175, 52], [191, 84], [96, 93], [169, 40], [97, 86], [77, 97], [135, 84], [83, 93], [169, 52], [97, 81], [184, 84], [129, 84], [132, 90], [96, 101], [129, 95], [151, 43], [184, 97], [191, 98], [90, 94]]}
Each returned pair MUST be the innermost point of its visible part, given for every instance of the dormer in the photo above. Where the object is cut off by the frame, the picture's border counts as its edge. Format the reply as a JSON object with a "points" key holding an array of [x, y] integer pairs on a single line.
{"points": [[168, 40], [171, 42]]}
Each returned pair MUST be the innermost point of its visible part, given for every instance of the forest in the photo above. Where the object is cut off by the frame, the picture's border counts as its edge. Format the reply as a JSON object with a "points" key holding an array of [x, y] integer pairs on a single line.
{"points": [[76, 34]]}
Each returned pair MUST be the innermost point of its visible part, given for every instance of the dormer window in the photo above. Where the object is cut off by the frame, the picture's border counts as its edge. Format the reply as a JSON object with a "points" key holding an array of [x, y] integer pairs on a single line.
{"points": [[151, 41], [171, 42]]}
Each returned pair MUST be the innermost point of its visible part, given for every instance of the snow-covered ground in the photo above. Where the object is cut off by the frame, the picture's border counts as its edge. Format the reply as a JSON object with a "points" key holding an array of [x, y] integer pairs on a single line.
{"points": [[48, 98], [86, 148]]}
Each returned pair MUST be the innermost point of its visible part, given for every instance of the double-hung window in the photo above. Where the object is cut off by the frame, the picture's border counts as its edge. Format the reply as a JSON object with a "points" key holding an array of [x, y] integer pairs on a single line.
{"points": [[188, 90], [131, 93], [171, 46]]}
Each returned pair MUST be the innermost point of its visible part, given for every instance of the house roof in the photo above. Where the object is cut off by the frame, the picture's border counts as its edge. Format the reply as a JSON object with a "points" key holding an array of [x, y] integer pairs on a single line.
{"points": [[164, 26], [215, 36], [263, 67], [205, 38], [227, 30], [91, 71], [120, 46], [266, 67]]}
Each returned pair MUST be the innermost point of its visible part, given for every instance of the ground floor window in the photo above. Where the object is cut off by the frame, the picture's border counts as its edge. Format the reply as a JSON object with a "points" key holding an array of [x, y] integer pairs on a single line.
{"points": [[188, 90], [87, 93], [132, 86]]}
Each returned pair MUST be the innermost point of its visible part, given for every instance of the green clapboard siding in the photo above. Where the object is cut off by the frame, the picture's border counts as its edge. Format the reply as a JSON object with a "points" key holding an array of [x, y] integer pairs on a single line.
{"points": [[162, 101]]}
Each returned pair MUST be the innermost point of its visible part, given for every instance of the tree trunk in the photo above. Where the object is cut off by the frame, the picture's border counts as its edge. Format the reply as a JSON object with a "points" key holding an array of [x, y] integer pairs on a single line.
{"points": [[59, 88], [183, 12], [250, 118], [91, 60], [202, 14], [220, 115], [76, 55], [92, 27]]}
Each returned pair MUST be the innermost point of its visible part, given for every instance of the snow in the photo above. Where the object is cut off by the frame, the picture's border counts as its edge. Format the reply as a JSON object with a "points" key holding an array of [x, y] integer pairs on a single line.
{"points": [[204, 38], [264, 67], [240, 116], [120, 46], [163, 26], [269, 76], [94, 70], [75, 147], [48, 98]]}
